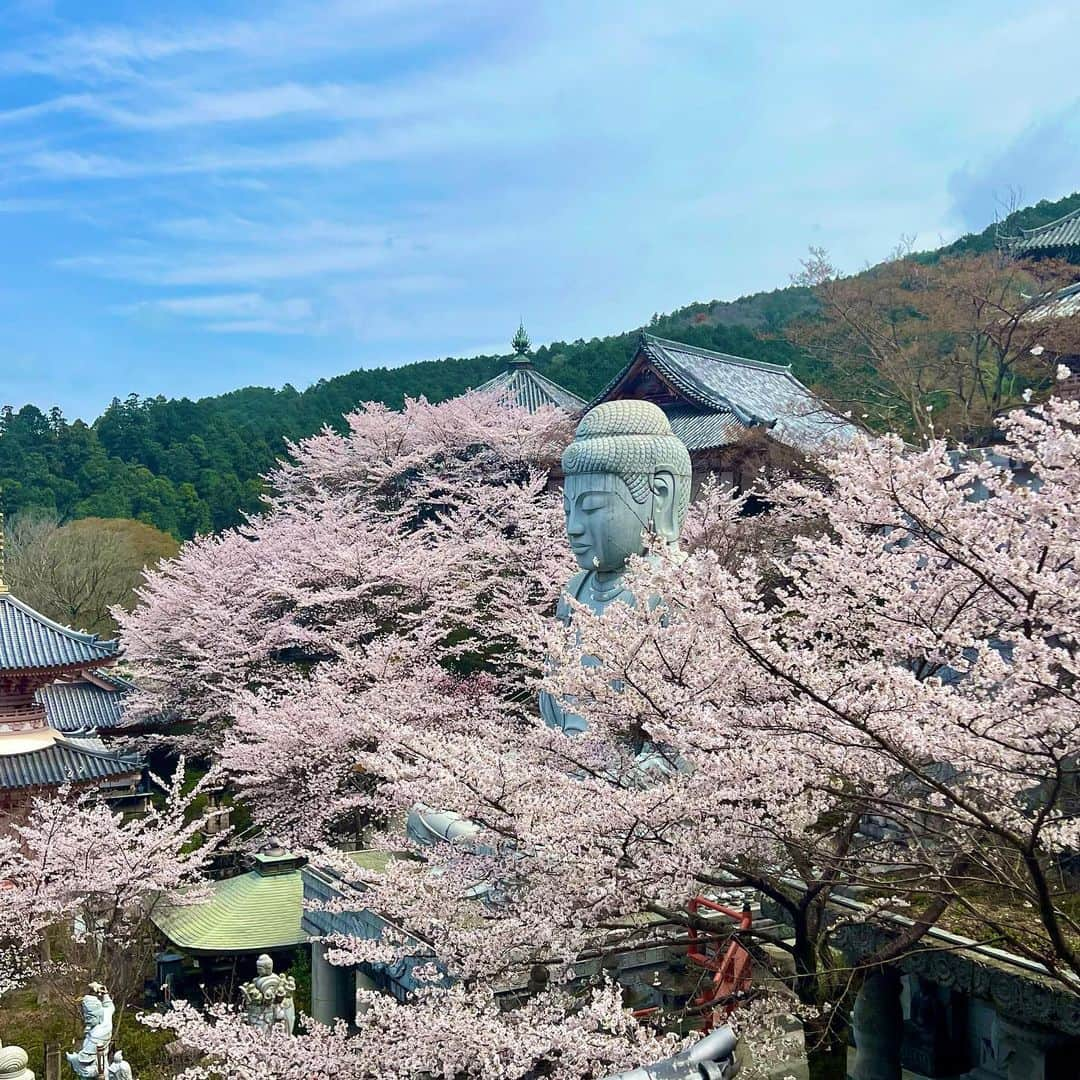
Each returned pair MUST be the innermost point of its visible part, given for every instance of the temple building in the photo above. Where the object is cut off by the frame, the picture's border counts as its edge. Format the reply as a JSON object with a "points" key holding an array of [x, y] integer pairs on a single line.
{"points": [[1058, 239], [42, 662], [522, 385], [213, 944], [258, 911], [735, 415]]}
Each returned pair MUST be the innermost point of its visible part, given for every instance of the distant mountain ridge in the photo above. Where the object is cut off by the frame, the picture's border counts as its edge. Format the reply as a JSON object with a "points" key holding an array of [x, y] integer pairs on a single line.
{"points": [[188, 466]]}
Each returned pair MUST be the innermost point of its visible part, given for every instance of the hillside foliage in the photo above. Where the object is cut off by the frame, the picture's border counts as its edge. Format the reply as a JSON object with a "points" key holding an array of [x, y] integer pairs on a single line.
{"points": [[191, 467]]}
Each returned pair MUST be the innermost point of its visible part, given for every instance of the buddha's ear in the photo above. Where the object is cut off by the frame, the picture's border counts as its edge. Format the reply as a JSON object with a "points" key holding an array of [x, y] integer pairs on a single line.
{"points": [[663, 505]]}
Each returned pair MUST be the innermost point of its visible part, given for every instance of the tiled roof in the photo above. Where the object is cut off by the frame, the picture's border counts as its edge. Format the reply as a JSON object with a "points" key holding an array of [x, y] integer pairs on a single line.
{"points": [[63, 762], [521, 384], [249, 913], [1055, 236], [704, 430], [733, 394], [1057, 305], [30, 641], [80, 706]]}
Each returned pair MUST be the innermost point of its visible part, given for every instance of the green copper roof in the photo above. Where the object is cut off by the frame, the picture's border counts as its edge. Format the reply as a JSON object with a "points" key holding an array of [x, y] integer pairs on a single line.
{"points": [[372, 859], [250, 913]]}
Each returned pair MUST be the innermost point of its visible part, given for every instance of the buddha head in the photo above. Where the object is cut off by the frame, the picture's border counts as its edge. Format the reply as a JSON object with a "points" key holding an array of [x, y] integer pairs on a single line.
{"points": [[264, 965], [627, 475]]}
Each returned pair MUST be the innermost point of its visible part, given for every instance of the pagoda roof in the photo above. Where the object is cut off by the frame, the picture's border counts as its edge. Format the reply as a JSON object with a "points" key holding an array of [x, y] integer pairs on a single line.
{"points": [[254, 912], [31, 642], [720, 397], [522, 385], [60, 761], [1062, 234], [94, 702]]}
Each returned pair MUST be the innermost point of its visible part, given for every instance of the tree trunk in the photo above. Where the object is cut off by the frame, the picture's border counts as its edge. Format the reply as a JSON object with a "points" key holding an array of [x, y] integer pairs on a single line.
{"points": [[826, 1049], [45, 956]]}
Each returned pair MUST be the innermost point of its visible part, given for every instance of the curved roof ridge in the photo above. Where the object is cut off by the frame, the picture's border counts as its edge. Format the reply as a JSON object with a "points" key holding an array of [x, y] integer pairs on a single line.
{"points": [[82, 636], [93, 751], [715, 400], [541, 378], [1026, 233], [31, 640], [712, 354]]}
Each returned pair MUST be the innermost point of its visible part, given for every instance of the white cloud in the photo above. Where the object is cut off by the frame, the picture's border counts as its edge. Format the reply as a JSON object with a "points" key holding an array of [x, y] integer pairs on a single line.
{"points": [[227, 269], [233, 312], [105, 53]]}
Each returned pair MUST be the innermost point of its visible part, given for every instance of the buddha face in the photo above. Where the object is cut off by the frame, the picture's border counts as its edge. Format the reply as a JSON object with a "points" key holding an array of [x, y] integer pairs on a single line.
{"points": [[605, 524], [264, 965]]}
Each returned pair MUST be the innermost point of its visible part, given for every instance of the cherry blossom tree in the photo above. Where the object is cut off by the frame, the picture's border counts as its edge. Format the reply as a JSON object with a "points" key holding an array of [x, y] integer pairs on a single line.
{"points": [[870, 690], [69, 865], [367, 645], [885, 704]]}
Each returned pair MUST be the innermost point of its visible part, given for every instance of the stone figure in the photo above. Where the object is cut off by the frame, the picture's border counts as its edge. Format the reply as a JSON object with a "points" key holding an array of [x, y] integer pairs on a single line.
{"points": [[13, 1061], [268, 998], [627, 478], [97, 1011], [120, 1069]]}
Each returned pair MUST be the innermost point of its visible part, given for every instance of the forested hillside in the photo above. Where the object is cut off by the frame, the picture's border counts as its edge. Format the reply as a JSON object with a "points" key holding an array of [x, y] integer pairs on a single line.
{"points": [[189, 466]]}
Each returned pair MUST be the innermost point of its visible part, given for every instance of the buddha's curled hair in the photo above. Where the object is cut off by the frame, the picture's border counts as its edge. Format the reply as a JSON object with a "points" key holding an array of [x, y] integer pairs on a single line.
{"points": [[633, 440]]}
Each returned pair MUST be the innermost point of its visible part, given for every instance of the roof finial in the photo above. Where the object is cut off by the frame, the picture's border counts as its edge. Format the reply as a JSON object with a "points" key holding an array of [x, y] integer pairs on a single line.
{"points": [[520, 342]]}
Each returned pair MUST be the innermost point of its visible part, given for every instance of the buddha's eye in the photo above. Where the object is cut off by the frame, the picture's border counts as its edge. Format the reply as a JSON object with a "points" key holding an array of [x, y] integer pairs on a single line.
{"points": [[592, 502]]}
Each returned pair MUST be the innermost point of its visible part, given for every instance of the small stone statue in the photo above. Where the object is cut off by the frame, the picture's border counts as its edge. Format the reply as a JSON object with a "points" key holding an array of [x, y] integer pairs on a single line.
{"points": [[627, 477], [97, 1011], [119, 1069], [13, 1061], [268, 998]]}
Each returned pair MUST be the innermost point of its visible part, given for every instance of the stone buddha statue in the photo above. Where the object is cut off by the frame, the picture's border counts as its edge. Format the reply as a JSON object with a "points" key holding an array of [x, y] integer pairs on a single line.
{"points": [[627, 479]]}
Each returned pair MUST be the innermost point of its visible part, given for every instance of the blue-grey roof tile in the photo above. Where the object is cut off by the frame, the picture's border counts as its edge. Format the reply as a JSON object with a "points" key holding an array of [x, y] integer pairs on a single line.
{"points": [[63, 763], [521, 384], [728, 395], [1062, 304], [74, 707], [1060, 235], [30, 641]]}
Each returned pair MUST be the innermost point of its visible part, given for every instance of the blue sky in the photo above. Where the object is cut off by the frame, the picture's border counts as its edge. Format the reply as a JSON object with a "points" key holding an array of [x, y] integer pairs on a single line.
{"points": [[200, 196]]}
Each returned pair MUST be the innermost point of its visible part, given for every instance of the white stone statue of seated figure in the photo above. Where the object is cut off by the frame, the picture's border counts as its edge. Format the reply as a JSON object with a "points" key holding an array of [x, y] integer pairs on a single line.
{"points": [[97, 1010], [627, 477]]}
